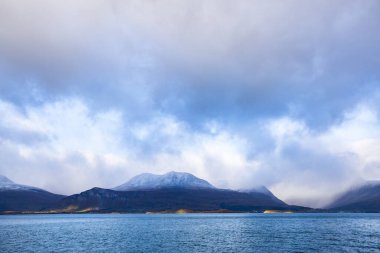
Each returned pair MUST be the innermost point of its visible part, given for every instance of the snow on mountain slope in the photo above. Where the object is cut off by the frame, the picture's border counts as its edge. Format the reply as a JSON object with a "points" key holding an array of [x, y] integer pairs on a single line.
{"points": [[170, 179], [8, 185]]}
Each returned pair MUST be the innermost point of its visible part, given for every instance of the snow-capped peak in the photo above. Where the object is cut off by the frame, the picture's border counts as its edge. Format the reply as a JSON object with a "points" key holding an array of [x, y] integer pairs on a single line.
{"points": [[7, 184], [170, 179]]}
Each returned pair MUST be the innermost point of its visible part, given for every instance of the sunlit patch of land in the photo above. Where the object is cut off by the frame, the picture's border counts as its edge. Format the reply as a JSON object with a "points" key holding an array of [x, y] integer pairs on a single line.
{"points": [[183, 211], [276, 211]]}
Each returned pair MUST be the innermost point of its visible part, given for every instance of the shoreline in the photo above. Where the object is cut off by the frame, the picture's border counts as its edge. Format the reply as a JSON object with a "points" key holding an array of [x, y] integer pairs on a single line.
{"points": [[180, 212]]}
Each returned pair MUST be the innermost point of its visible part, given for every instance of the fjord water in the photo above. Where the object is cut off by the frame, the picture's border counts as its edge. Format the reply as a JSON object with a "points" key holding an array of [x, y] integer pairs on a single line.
{"points": [[190, 233]]}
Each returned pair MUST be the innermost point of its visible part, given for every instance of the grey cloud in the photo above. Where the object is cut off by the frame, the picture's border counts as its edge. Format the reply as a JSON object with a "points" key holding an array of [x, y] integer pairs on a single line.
{"points": [[29, 138], [196, 59]]}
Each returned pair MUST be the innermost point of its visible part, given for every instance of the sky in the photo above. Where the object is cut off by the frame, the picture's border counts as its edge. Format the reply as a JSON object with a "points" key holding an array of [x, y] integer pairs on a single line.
{"points": [[241, 93]]}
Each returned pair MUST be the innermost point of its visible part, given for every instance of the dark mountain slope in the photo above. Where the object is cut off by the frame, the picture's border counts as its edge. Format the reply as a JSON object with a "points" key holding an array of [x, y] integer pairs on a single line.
{"points": [[22, 200], [168, 199], [16, 197]]}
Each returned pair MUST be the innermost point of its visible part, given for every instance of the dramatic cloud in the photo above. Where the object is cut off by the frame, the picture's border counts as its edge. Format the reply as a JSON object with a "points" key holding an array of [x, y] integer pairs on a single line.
{"points": [[282, 93]]}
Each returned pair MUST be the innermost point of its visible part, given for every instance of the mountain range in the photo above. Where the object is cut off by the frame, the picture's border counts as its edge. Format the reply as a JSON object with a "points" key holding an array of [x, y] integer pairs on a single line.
{"points": [[171, 192], [168, 193]]}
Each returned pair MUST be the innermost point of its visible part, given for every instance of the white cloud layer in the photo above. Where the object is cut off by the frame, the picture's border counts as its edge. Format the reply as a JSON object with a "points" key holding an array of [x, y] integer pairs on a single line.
{"points": [[66, 148]]}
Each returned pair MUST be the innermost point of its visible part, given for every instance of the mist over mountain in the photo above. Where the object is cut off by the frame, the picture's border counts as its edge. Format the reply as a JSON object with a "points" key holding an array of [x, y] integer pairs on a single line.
{"points": [[364, 197]]}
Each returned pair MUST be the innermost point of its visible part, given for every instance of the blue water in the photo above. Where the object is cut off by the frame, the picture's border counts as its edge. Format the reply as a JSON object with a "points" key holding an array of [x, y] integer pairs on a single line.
{"points": [[190, 233]]}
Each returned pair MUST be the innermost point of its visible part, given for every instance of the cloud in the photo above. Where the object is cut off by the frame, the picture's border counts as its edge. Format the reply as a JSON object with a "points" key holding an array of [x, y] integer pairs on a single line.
{"points": [[80, 149], [194, 59], [69, 146], [309, 167]]}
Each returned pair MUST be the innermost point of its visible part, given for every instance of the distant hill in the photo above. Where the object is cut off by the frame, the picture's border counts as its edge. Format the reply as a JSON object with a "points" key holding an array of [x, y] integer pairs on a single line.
{"points": [[362, 198], [16, 197]]}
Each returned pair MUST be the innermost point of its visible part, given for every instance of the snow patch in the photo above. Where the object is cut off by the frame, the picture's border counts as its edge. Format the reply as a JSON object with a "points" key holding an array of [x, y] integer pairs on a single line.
{"points": [[8, 185]]}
